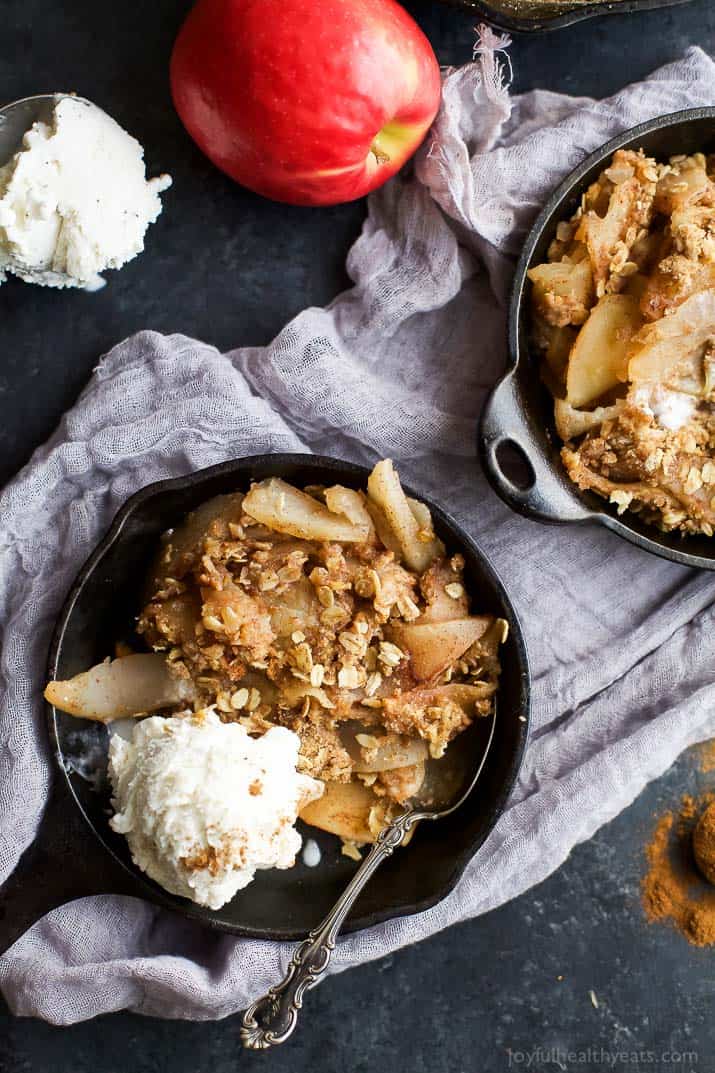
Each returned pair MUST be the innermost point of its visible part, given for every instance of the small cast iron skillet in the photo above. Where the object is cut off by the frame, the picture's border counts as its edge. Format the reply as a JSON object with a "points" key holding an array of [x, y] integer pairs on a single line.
{"points": [[102, 606], [534, 16], [518, 415]]}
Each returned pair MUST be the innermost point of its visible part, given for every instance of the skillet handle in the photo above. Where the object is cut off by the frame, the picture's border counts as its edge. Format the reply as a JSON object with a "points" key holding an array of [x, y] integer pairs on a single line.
{"points": [[550, 496], [270, 1020]]}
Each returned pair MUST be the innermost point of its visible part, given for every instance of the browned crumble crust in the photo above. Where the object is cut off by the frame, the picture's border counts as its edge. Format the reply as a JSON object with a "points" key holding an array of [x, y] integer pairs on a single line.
{"points": [[644, 232], [278, 630]]}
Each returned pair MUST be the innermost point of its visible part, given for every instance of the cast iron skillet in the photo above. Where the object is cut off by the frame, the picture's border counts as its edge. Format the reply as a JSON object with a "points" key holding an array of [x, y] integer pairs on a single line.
{"points": [[102, 606], [532, 16], [519, 411]]}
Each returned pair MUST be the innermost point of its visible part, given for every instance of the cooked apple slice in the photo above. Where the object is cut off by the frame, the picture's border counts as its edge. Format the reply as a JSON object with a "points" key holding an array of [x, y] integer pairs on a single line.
{"points": [[343, 810], [670, 351], [435, 646], [187, 537], [630, 207], [599, 358], [295, 608], [128, 686], [351, 504], [442, 605], [675, 279], [223, 509], [380, 751], [387, 536], [172, 621], [463, 693], [384, 489], [572, 423], [680, 188], [239, 618], [437, 713], [403, 783], [384, 530], [563, 292], [407, 708], [432, 544], [286, 509]]}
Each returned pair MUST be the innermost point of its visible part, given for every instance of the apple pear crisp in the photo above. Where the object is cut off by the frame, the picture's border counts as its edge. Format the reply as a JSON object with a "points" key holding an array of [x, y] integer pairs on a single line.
{"points": [[623, 315], [333, 612]]}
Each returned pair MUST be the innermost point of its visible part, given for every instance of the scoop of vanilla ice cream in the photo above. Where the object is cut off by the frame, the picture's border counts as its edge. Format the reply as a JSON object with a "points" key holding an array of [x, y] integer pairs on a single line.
{"points": [[670, 409], [75, 200], [203, 805]]}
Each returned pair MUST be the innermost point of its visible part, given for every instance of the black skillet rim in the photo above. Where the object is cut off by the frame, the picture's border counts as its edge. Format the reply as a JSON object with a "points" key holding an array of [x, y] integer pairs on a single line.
{"points": [[502, 20], [590, 509], [152, 892]]}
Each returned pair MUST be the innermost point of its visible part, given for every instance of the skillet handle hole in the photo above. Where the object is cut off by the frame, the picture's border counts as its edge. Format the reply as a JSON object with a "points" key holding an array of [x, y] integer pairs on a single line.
{"points": [[514, 465]]}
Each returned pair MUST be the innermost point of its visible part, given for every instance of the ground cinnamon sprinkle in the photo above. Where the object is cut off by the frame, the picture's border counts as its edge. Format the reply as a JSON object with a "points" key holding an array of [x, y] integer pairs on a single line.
{"points": [[704, 843], [674, 889]]}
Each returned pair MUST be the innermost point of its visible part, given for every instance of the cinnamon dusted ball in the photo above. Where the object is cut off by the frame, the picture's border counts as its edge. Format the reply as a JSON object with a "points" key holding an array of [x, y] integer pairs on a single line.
{"points": [[704, 843]]}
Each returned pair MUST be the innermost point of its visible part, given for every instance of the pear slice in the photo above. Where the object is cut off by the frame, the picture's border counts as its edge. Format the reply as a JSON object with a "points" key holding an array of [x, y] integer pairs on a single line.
{"points": [[441, 604], [563, 292], [343, 810], [435, 646], [384, 489], [669, 352], [373, 751], [351, 504], [128, 686], [187, 538], [285, 509], [599, 359]]}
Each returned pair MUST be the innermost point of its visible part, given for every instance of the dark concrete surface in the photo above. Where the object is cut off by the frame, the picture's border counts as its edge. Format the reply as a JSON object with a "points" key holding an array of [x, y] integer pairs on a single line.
{"points": [[224, 265]]}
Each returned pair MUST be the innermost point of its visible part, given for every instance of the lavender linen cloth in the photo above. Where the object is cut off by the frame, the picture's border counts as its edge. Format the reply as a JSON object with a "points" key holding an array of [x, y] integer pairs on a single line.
{"points": [[620, 642]]}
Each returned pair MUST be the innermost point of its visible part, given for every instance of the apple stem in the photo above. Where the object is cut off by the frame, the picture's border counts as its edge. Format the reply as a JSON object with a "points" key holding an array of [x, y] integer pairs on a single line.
{"points": [[380, 155]]}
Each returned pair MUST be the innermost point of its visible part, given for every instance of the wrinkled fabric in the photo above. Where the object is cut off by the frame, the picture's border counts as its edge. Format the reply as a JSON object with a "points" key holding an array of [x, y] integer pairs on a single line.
{"points": [[397, 366]]}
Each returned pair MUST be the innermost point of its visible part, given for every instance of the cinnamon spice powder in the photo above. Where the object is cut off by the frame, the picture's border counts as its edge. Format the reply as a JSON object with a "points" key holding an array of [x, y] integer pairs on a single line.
{"points": [[674, 890]]}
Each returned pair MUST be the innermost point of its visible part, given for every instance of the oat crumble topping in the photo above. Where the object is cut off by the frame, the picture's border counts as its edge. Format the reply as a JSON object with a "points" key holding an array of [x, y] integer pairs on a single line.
{"points": [[362, 644], [624, 318]]}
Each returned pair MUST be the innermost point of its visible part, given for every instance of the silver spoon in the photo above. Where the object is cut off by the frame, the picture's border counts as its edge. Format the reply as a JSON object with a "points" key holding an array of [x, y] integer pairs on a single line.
{"points": [[271, 1019]]}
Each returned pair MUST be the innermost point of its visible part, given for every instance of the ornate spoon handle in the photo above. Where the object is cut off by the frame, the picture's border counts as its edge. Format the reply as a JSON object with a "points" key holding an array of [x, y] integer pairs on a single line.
{"points": [[272, 1018]]}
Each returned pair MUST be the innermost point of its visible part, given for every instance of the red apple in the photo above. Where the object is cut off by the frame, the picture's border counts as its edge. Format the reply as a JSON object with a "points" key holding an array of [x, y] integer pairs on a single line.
{"points": [[312, 102]]}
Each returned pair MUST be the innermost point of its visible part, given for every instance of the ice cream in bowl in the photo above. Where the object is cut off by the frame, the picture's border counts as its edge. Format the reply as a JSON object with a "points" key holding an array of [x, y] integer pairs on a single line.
{"points": [[74, 197], [306, 650]]}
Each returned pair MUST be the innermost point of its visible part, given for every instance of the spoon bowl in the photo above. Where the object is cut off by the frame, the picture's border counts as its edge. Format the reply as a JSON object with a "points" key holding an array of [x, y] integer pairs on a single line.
{"points": [[449, 780]]}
